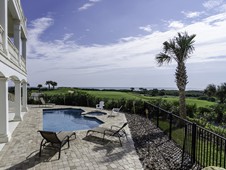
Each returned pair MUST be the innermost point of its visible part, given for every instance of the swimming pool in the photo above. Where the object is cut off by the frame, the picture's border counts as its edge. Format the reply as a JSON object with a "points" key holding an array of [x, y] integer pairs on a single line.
{"points": [[67, 120], [96, 113]]}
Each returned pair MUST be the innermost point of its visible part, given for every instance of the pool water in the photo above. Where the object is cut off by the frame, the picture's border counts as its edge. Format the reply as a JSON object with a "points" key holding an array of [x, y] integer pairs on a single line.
{"points": [[96, 113], [67, 120]]}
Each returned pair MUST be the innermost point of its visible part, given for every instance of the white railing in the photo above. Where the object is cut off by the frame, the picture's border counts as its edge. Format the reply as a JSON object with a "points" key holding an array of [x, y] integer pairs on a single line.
{"points": [[13, 53], [14, 56], [1, 38]]}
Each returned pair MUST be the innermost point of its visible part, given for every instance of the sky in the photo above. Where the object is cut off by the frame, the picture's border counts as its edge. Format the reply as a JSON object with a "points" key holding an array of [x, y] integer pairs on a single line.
{"points": [[113, 43]]}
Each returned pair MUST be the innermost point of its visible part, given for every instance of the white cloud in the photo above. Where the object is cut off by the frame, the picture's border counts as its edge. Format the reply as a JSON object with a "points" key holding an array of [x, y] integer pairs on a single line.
{"points": [[146, 28], [40, 25], [175, 24], [215, 18], [88, 5], [191, 14], [85, 6], [67, 36], [210, 4]]}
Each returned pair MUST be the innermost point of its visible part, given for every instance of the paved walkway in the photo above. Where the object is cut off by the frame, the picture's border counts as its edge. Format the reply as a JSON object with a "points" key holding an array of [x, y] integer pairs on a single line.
{"points": [[85, 153]]}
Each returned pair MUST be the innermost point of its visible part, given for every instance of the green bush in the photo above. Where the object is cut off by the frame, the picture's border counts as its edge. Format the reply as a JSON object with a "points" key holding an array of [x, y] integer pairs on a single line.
{"points": [[191, 110], [203, 98]]}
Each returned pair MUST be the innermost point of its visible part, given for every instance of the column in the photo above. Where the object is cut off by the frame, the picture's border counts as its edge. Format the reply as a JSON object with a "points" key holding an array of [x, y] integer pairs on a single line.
{"points": [[17, 37], [4, 24], [1, 38], [24, 106], [4, 125], [17, 116], [24, 48]]}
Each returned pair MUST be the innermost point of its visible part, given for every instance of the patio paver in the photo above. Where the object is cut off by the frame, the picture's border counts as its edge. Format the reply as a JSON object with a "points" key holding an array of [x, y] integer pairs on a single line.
{"points": [[89, 153]]}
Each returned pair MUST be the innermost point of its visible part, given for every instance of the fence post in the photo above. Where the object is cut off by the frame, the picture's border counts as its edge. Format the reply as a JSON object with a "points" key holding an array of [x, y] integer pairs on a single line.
{"points": [[158, 117], [170, 125], [134, 110], [194, 127]]}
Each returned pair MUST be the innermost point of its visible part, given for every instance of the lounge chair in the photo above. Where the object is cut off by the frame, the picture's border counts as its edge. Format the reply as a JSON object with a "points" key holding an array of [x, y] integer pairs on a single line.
{"points": [[100, 105], [115, 111], [113, 131], [56, 139], [46, 104]]}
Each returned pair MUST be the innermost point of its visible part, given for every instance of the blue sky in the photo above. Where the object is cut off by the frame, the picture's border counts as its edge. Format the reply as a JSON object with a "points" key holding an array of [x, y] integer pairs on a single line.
{"points": [[113, 43]]}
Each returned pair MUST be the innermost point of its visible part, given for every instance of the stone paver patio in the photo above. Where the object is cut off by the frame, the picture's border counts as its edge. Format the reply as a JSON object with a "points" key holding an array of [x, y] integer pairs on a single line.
{"points": [[85, 153]]}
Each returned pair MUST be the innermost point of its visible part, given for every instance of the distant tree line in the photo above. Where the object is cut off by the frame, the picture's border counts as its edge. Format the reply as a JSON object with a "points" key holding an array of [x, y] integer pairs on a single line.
{"points": [[49, 84]]}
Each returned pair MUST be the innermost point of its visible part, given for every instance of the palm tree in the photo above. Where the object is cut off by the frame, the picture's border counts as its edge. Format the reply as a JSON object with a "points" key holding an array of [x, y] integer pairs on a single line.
{"points": [[54, 84], [179, 49], [49, 83]]}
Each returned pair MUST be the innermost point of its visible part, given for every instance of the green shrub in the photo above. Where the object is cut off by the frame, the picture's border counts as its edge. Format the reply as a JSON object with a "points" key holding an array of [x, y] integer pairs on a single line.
{"points": [[191, 109], [203, 98]]}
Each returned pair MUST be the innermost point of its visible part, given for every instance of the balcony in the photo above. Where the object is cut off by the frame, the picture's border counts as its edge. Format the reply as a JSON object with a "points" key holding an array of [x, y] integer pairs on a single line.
{"points": [[12, 58]]}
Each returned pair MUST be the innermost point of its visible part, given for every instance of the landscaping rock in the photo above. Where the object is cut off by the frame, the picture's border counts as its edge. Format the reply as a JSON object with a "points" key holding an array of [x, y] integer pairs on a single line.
{"points": [[155, 150]]}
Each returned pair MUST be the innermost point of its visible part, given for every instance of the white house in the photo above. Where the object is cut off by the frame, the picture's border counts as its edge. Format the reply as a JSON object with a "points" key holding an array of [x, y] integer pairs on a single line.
{"points": [[13, 36]]}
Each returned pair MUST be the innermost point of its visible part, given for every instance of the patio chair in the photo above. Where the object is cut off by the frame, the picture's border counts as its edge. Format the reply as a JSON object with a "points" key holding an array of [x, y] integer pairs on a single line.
{"points": [[100, 105], [115, 111], [56, 139], [46, 104], [114, 131]]}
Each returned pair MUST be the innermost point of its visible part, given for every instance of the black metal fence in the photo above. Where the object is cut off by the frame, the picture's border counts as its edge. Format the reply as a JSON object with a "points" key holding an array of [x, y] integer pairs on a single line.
{"points": [[203, 147]]}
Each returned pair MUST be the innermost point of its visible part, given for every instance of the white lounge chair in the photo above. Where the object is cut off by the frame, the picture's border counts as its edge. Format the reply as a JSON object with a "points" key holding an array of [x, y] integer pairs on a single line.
{"points": [[115, 111], [100, 105], [46, 104]]}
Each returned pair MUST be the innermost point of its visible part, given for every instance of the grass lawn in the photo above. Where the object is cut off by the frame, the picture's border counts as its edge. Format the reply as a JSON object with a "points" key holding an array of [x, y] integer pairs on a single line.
{"points": [[199, 103], [114, 95], [129, 95], [58, 91], [205, 149]]}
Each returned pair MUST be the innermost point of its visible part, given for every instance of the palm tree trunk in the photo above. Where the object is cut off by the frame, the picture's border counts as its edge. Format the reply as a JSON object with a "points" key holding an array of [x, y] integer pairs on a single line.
{"points": [[181, 80], [182, 104]]}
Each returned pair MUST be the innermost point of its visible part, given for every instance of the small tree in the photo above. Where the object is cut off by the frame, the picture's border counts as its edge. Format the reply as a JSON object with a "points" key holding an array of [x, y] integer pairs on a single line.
{"points": [[210, 90], [154, 92], [132, 88], [39, 87], [221, 92], [219, 109]]}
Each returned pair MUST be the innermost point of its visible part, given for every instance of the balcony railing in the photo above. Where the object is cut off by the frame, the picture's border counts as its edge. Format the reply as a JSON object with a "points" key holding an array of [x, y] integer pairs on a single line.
{"points": [[14, 57], [13, 53]]}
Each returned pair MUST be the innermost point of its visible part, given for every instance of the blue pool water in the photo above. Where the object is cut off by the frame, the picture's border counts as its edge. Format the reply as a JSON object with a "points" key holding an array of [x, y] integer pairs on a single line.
{"points": [[67, 120], [96, 113]]}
